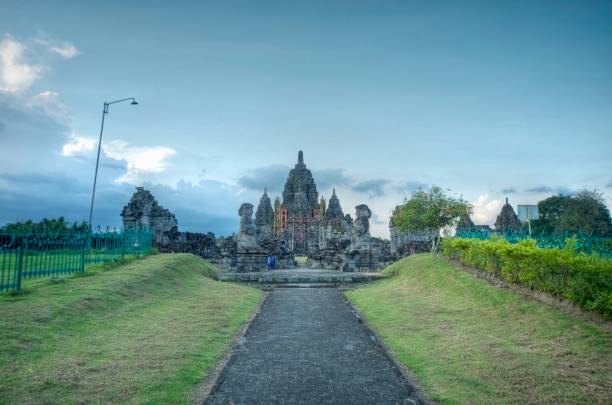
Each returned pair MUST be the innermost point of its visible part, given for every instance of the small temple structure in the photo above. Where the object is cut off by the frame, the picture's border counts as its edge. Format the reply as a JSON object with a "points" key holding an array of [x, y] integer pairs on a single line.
{"points": [[143, 211], [507, 220]]}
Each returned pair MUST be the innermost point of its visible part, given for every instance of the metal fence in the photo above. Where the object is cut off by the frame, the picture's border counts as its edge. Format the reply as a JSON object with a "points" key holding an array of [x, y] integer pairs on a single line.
{"points": [[581, 243], [24, 256]]}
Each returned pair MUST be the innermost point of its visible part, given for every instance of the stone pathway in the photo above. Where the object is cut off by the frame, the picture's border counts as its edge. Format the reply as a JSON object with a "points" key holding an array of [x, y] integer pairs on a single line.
{"points": [[300, 275], [307, 347]]}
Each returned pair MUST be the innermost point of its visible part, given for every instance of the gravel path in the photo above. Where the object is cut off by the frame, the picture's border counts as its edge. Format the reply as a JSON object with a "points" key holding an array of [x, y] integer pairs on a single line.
{"points": [[306, 346]]}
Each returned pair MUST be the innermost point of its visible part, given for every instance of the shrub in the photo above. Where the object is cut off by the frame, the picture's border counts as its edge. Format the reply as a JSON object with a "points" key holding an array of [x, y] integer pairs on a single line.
{"points": [[584, 279]]}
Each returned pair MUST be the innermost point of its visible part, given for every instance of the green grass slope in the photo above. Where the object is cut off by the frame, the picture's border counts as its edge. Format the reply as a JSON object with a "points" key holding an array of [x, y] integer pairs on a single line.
{"points": [[144, 332], [468, 342]]}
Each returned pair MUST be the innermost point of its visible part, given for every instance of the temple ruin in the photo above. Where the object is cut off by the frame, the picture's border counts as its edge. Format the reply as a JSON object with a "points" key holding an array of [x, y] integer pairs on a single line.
{"points": [[303, 224], [143, 211], [299, 223]]}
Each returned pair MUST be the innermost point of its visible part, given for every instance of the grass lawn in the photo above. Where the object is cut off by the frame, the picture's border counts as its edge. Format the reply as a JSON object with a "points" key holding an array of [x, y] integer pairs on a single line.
{"points": [[143, 332], [468, 342]]}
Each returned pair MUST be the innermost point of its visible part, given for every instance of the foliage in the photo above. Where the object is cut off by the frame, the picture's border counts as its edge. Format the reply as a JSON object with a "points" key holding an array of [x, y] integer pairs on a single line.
{"points": [[581, 244], [584, 212], [145, 332], [467, 342], [429, 211], [583, 279], [46, 225]]}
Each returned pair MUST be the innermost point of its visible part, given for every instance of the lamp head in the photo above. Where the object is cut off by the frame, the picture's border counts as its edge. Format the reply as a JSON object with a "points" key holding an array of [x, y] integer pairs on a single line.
{"points": [[134, 102]]}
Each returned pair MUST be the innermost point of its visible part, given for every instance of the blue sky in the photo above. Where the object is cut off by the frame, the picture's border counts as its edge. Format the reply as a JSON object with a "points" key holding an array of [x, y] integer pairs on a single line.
{"points": [[487, 99]]}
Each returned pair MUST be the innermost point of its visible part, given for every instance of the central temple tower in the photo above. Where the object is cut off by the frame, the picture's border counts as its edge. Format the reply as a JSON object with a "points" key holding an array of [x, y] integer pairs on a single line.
{"points": [[296, 217]]}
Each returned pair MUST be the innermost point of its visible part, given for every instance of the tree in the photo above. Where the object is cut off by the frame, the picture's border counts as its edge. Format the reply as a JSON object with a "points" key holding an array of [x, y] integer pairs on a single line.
{"points": [[429, 211], [46, 225], [584, 212]]}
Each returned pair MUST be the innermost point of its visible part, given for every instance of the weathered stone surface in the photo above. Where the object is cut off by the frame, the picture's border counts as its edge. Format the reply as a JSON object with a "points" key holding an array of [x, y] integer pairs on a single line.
{"points": [[361, 227], [409, 243], [299, 276], [507, 220], [264, 218], [247, 238], [297, 216], [143, 211], [334, 210], [199, 244], [300, 191]]}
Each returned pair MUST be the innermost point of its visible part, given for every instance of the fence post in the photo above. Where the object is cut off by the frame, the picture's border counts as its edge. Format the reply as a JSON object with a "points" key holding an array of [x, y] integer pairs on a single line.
{"points": [[20, 264], [83, 249], [123, 245]]}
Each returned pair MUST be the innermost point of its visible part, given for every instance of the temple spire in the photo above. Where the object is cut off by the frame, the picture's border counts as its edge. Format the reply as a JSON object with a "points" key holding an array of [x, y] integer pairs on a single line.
{"points": [[506, 200], [300, 158]]}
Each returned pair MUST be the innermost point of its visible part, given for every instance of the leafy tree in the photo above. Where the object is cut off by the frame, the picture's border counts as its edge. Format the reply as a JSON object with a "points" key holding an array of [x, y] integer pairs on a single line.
{"points": [[45, 225], [429, 211], [584, 212]]}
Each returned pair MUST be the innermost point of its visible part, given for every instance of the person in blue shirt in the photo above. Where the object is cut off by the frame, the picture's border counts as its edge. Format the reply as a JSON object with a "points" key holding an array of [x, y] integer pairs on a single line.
{"points": [[271, 262]]}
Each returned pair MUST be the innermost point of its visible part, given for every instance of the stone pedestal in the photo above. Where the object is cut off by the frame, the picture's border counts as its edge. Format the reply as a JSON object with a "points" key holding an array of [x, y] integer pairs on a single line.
{"points": [[246, 261], [361, 260]]}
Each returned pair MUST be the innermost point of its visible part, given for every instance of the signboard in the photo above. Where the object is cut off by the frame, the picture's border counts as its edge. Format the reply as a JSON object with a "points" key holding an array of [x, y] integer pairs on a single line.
{"points": [[528, 212]]}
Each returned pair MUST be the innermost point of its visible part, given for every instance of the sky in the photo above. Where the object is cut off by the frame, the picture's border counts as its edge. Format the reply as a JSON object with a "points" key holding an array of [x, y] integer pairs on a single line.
{"points": [[488, 99]]}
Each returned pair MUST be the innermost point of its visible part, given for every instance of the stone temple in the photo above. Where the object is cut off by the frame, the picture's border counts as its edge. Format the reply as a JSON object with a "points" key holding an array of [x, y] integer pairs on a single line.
{"points": [[507, 220], [300, 223], [303, 224], [297, 217]]}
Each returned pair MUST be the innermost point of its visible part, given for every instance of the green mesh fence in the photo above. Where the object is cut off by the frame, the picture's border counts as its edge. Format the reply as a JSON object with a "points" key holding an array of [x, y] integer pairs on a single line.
{"points": [[24, 256]]}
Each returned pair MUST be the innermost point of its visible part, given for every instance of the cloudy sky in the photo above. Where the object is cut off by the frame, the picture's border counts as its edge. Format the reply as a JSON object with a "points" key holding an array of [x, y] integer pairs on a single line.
{"points": [[487, 99]]}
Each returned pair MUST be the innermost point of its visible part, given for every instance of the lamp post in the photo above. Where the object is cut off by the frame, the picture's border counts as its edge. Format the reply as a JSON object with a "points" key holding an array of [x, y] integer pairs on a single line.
{"points": [[104, 112]]}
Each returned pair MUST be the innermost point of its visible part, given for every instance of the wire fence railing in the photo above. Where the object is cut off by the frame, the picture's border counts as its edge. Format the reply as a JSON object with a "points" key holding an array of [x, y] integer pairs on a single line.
{"points": [[32, 255], [580, 242]]}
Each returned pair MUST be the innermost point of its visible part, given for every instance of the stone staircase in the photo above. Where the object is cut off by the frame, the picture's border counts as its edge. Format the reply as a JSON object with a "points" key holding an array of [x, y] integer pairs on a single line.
{"points": [[300, 276]]}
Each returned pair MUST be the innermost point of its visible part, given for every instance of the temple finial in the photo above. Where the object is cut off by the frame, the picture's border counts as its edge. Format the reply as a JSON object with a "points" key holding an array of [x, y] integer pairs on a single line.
{"points": [[333, 191], [506, 200], [300, 158]]}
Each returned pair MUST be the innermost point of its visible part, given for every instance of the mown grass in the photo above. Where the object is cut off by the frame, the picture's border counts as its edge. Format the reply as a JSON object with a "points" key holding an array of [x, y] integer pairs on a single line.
{"points": [[468, 342], [144, 332]]}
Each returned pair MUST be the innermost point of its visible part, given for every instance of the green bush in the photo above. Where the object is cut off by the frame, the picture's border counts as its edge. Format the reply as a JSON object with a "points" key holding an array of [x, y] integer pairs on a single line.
{"points": [[583, 279]]}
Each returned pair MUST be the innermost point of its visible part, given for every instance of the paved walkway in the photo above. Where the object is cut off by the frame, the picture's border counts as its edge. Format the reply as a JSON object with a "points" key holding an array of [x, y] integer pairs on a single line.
{"points": [[307, 347]]}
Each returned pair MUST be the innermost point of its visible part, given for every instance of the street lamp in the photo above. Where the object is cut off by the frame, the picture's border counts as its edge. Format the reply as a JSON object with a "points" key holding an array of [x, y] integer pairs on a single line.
{"points": [[104, 112]]}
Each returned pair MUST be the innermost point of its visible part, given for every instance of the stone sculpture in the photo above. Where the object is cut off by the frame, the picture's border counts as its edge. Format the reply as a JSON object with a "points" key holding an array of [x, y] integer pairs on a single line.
{"points": [[361, 227], [247, 238]]}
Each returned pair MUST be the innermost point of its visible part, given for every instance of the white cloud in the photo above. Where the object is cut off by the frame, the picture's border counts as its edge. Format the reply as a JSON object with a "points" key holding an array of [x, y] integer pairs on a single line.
{"points": [[141, 161], [50, 103], [486, 210], [15, 73], [66, 50], [77, 145]]}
